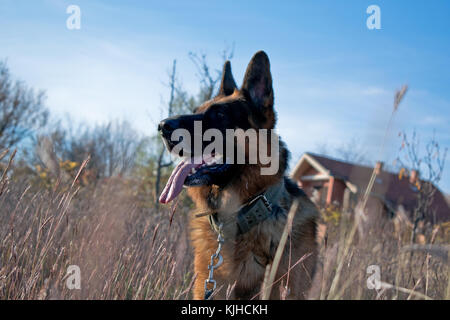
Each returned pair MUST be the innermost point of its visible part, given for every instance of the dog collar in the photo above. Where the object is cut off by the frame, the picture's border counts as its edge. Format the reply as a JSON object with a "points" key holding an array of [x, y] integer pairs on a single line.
{"points": [[255, 211]]}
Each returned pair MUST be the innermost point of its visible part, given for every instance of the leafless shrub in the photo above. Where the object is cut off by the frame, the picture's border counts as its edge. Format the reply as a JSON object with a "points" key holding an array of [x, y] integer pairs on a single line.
{"points": [[21, 110], [112, 147], [428, 166]]}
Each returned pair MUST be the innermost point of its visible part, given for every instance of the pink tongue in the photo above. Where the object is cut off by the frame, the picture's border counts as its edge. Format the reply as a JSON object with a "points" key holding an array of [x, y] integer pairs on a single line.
{"points": [[176, 180]]}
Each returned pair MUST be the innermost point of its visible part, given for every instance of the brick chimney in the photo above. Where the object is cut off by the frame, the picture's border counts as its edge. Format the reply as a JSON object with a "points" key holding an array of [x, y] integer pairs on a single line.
{"points": [[414, 176], [378, 167]]}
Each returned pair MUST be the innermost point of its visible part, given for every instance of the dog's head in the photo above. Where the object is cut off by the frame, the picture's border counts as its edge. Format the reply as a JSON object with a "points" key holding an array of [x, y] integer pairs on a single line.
{"points": [[250, 107]]}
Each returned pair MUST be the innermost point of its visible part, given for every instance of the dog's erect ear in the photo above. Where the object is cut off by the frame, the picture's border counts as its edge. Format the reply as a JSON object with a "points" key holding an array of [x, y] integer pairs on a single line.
{"points": [[257, 86], [227, 85]]}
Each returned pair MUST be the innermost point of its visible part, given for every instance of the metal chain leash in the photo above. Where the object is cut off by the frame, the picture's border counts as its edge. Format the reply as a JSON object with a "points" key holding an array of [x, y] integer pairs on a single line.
{"points": [[212, 266]]}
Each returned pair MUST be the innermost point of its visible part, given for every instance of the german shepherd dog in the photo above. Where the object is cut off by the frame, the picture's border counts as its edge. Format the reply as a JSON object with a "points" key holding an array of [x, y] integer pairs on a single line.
{"points": [[225, 192]]}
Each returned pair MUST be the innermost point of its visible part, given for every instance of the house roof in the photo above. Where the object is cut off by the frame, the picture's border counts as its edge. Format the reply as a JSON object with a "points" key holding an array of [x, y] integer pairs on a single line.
{"points": [[390, 187]]}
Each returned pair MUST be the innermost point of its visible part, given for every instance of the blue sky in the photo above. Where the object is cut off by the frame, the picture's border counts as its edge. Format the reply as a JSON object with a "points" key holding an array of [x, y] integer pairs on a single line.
{"points": [[334, 79]]}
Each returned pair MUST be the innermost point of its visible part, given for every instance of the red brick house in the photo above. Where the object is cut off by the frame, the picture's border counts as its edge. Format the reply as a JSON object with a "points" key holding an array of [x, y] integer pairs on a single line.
{"points": [[329, 181]]}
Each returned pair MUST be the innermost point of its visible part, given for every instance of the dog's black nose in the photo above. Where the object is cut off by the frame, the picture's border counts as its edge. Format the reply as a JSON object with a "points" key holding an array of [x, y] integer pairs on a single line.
{"points": [[168, 125]]}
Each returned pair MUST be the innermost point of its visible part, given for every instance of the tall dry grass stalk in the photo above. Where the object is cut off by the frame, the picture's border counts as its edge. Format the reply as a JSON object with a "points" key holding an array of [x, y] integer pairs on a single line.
{"points": [[272, 268], [399, 95]]}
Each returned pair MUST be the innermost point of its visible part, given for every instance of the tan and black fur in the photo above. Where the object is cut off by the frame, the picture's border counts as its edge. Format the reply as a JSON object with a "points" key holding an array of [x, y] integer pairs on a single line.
{"points": [[246, 255]]}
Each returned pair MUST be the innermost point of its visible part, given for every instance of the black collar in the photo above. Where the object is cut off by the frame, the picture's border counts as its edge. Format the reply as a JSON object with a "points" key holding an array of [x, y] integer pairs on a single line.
{"points": [[258, 209]]}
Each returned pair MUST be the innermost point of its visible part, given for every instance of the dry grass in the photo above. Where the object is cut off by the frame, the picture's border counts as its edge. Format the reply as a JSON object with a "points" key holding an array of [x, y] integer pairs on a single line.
{"points": [[128, 252], [407, 272], [124, 252]]}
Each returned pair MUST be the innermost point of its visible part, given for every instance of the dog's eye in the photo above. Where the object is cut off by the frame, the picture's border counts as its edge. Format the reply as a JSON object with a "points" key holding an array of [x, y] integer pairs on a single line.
{"points": [[220, 114]]}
